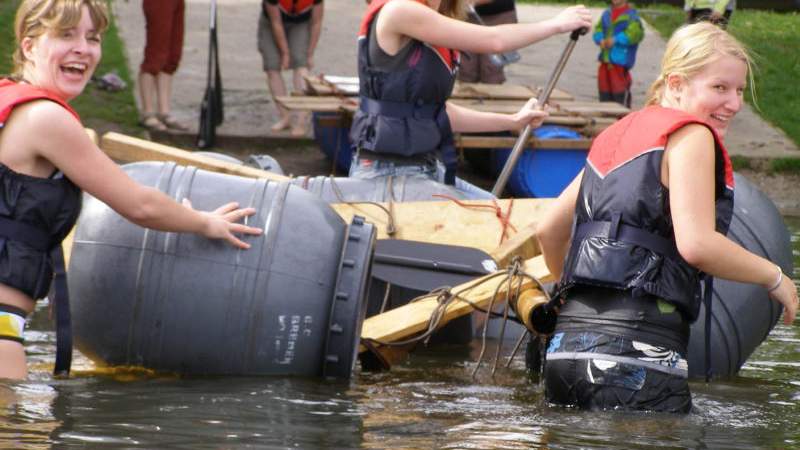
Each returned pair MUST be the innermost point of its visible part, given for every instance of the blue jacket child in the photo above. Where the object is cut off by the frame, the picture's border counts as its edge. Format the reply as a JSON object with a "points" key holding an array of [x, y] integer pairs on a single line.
{"points": [[618, 33]]}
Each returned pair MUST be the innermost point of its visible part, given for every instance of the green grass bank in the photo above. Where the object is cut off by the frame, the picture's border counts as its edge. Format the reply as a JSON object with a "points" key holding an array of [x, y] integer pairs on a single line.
{"points": [[99, 109]]}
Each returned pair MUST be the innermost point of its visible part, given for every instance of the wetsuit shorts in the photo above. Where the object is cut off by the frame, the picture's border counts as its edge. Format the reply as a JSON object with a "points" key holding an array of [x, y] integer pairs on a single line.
{"points": [[612, 351]]}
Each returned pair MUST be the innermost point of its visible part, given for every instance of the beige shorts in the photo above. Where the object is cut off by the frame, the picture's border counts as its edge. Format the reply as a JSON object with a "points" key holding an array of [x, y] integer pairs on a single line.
{"points": [[297, 35]]}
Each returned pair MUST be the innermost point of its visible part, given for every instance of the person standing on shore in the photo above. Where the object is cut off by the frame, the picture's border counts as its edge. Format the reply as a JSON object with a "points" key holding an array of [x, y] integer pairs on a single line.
{"points": [[162, 54], [288, 33], [478, 67], [717, 12], [618, 33]]}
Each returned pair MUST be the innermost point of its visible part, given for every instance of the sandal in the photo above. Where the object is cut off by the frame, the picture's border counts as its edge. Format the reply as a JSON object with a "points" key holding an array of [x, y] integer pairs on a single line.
{"points": [[152, 123], [172, 123]]}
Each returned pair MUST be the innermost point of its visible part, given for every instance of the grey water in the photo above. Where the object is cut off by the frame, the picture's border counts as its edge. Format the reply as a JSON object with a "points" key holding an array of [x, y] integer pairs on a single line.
{"points": [[428, 401]]}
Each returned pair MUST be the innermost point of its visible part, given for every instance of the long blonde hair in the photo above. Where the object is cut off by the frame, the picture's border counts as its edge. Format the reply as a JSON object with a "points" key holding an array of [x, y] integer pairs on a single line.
{"points": [[36, 17], [693, 47]]}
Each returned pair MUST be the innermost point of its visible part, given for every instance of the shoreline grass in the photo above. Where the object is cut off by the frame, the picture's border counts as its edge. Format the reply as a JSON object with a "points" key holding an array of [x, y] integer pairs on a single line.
{"points": [[101, 110]]}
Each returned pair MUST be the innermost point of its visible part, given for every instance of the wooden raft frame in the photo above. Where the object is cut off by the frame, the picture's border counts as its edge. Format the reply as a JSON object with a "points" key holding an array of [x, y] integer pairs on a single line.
{"points": [[433, 222]]}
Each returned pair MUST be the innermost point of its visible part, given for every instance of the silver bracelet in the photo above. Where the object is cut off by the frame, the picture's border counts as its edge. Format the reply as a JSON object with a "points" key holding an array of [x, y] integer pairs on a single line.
{"points": [[777, 281]]}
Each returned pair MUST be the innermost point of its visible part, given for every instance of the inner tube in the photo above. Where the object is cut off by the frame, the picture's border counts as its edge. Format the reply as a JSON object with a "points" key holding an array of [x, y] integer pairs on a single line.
{"points": [[742, 315]]}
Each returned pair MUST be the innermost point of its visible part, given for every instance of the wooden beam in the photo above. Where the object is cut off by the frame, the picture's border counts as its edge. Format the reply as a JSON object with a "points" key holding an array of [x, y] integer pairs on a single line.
{"points": [[412, 319], [446, 222], [127, 149], [523, 244], [507, 142]]}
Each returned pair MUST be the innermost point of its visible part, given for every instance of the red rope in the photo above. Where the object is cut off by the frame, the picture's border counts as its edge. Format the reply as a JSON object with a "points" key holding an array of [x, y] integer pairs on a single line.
{"points": [[503, 217]]}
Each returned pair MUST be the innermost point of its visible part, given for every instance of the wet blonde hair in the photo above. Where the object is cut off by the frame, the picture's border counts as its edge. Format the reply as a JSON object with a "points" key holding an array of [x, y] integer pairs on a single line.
{"points": [[37, 17], [691, 49]]}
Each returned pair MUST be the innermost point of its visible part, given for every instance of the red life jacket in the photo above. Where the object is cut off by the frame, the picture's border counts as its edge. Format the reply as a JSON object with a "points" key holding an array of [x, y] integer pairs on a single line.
{"points": [[13, 94], [35, 216], [623, 236], [450, 57]]}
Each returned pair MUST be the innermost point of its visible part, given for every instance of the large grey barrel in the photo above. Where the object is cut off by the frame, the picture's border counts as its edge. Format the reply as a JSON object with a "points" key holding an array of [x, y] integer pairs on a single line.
{"points": [[292, 304], [742, 314], [380, 189]]}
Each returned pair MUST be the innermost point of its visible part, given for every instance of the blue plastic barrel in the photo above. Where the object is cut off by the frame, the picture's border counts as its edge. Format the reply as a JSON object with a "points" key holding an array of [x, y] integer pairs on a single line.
{"points": [[331, 132], [543, 172]]}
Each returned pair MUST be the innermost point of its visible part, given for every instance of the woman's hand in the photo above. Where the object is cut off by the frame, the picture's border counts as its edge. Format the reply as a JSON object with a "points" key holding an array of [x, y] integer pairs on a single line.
{"points": [[222, 223], [786, 295], [573, 18], [531, 114]]}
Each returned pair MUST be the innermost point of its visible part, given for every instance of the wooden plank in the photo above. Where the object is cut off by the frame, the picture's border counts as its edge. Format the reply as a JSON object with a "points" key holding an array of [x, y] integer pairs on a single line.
{"points": [[92, 135], [523, 244], [331, 85], [446, 222], [503, 91], [127, 149], [507, 142], [411, 319], [326, 85]]}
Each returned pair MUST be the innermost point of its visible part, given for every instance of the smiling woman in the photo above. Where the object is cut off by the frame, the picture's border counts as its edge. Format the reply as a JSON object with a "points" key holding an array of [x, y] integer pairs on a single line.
{"points": [[649, 212], [42, 173]]}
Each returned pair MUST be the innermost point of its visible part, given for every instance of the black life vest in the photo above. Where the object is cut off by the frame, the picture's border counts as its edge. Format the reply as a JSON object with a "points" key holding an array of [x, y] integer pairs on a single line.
{"points": [[36, 214], [623, 236], [403, 112]]}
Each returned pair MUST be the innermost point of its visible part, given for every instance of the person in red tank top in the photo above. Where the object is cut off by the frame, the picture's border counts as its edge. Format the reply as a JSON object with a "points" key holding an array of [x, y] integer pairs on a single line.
{"points": [[58, 49], [288, 33]]}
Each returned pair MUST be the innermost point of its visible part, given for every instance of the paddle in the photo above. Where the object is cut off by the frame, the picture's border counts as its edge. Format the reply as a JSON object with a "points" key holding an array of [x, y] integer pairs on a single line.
{"points": [[544, 96], [211, 108]]}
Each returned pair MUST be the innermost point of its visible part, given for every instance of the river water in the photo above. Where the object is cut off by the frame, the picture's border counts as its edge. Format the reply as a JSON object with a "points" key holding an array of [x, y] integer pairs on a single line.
{"points": [[429, 401]]}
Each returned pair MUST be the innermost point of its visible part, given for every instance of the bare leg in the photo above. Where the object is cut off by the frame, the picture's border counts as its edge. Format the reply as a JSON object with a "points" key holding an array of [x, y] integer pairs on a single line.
{"points": [[301, 118], [14, 366], [147, 97], [164, 87], [278, 89]]}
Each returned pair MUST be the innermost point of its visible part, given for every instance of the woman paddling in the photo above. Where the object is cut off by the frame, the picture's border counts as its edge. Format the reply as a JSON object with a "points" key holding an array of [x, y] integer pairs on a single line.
{"points": [[650, 211], [407, 64], [46, 159]]}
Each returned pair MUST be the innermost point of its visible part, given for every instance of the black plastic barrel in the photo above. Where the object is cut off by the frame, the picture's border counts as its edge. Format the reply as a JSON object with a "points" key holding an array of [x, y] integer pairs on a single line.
{"points": [[332, 134], [292, 304], [742, 314], [543, 172]]}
